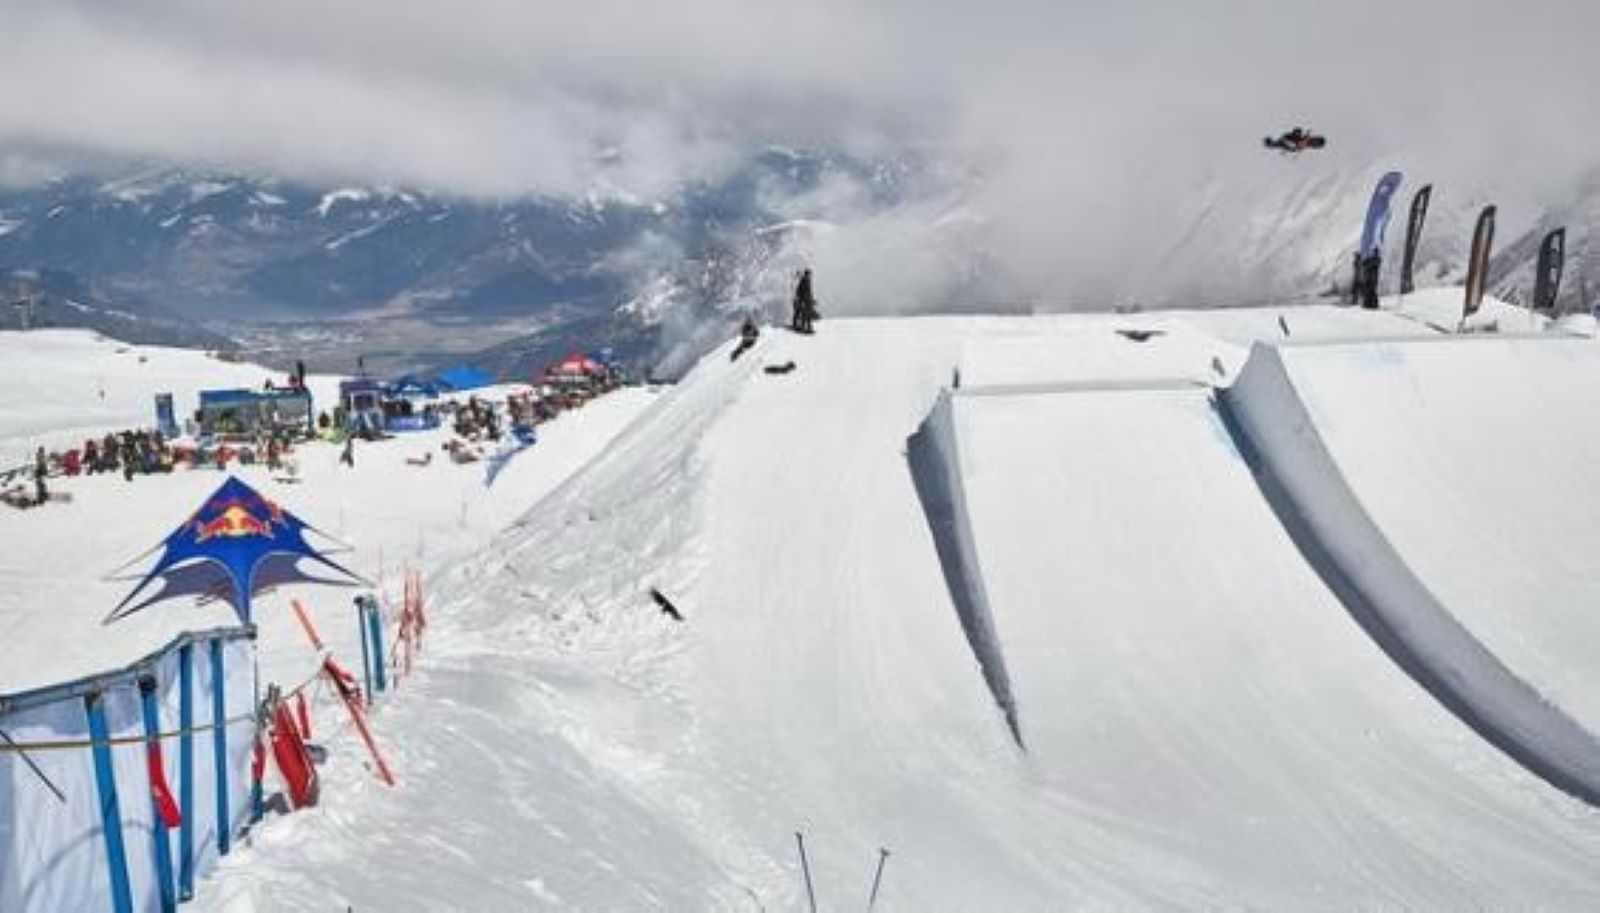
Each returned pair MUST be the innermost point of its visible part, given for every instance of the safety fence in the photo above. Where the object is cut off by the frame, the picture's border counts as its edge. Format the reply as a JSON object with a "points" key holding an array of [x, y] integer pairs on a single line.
{"points": [[119, 790]]}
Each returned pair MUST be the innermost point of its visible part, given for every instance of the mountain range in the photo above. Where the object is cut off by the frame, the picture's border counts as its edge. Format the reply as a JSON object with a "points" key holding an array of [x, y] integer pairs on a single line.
{"points": [[408, 280]]}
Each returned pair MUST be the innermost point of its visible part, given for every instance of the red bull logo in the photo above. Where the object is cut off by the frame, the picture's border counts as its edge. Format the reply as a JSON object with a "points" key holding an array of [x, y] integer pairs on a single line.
{"points": [[235, 522]]}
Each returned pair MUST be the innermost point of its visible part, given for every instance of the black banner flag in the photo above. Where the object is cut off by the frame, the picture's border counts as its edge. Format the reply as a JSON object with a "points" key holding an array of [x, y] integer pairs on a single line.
{"points": [[1547, 277], [1478, 262], [1419, 215]]}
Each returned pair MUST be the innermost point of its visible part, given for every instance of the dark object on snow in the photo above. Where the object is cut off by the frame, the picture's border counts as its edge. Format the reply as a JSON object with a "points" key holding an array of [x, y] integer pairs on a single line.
{"points": [[1297, 140], [1371, 268], [784, 368], [805, 305], [748, 334], [1547, 276], [665, 604], [1140, 335], [1478, 262], [1283, 325]]}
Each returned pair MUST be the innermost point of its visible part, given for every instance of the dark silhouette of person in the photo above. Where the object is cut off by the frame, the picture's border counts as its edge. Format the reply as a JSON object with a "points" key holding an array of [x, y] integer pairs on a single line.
{"points": [[805, 304], [41, 468], [1370, 267], [748, 333]]}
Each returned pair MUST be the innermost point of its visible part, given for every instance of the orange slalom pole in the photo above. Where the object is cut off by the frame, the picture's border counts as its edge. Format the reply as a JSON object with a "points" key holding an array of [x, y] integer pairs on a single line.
{"points": [[305, 622]]}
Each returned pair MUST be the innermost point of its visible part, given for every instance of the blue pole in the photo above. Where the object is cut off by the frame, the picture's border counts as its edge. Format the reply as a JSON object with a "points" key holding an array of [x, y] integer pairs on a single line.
{"points": [[219, 735], [110, 815], [158, 825], [376, 621], [186, 771], [364, 624]]}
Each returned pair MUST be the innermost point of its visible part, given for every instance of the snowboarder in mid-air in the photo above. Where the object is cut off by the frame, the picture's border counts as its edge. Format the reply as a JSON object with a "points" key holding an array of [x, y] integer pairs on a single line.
{"points": [[1297, 140], [805, 304]]}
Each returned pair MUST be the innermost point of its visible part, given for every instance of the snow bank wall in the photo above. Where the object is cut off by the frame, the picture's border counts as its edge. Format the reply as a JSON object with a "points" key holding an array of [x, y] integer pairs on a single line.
{"points": [[934, 455], [1292, 464], [99, 844]]}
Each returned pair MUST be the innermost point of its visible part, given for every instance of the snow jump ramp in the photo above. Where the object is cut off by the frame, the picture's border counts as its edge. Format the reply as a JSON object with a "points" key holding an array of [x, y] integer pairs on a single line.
{"points": [[1385, 461], [1176, 667]]}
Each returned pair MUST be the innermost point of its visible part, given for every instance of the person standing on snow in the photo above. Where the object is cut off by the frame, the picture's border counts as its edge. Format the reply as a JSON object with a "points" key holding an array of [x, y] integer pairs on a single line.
{"points": [[41, 468], [348, 456], [805, 304], [1370, 268]]}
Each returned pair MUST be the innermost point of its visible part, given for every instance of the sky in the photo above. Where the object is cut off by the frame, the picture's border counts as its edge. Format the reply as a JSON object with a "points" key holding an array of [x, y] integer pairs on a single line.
{"points": [[1080, 136]]}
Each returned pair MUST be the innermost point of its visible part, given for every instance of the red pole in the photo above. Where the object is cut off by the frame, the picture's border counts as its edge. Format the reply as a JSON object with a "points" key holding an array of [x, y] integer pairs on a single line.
{"points": [[305, 622], [342, 683]]}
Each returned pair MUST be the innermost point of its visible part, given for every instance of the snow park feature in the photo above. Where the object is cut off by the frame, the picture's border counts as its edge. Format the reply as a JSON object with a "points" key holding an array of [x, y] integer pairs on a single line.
{"points": [[1265, 608], [1206, 724]]}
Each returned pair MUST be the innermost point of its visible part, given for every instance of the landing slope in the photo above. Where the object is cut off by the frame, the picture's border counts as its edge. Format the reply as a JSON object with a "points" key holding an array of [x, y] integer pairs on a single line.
{"points": [[1181, 671], [1224, 738], [1475, 458]]}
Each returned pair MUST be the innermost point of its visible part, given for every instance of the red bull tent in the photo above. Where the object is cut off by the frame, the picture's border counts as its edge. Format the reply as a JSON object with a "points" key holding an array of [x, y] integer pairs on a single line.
{"points": [[237, 544]]}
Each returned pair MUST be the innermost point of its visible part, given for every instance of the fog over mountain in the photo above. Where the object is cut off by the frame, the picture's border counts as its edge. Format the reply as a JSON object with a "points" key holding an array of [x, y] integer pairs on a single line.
{"points": [[1047, 155]]}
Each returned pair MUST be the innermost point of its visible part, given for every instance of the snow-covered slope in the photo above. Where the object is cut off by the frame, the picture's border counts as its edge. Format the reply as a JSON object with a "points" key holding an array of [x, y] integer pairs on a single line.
{"points": [[1208, 725], [1473, 458], [55, 561], [1182, 674], [63, 386]]}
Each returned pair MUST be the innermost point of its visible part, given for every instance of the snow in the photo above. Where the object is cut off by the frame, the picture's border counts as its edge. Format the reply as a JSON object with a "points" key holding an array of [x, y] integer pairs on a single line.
{"points": [[1193, 678], [1206, 724], [200, 190], [358, 234], [66, 385], [1483, 484], [344, 194], [388, 511]]}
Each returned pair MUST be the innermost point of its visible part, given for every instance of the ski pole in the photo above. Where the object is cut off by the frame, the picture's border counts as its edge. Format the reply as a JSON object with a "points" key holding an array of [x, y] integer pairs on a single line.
{"points": [[877, 878], [805, 867]]}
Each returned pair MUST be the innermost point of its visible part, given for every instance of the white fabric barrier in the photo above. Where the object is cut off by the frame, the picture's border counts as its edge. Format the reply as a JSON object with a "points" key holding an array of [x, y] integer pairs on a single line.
{"points": [[53, 850]]}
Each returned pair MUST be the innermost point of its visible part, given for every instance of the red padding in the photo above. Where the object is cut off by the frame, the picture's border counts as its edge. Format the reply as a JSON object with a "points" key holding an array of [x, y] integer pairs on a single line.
{"points": [[166, 806], [294, 763]]}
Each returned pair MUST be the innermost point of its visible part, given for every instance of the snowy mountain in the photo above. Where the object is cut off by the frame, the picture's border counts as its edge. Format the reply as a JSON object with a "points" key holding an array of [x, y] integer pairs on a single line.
{"points": [[409, 279], [300, 270], [52, 298]]}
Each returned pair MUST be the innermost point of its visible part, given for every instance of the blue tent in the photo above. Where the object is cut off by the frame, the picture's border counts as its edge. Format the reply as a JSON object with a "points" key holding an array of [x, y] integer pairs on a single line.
{"points": [[465, 377], [411, 385], [236, 545]]}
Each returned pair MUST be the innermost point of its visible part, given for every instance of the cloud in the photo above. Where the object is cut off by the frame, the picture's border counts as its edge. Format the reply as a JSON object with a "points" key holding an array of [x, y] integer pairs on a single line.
{"points": [[1087, 139]]}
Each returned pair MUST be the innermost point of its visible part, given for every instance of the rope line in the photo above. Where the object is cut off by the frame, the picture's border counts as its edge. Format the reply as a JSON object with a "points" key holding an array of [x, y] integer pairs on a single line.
{"points": [[10, 747]]}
